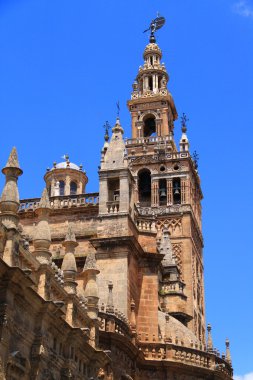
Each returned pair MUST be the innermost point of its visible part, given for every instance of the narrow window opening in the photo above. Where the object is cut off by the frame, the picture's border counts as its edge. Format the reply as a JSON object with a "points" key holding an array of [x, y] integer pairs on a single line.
{"points": [[113, 190], [150, 83], [144, 187], [151, 60], [62, 187], [176, 191], [73, 188]]}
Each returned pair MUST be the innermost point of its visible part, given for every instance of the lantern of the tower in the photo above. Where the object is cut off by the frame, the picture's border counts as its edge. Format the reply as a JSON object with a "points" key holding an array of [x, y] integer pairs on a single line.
{"points": [[65, 178]]}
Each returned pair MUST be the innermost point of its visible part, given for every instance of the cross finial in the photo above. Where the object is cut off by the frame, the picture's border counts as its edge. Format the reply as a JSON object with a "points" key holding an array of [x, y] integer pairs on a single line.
{"points": [[65, 157], [118, 108], [107, 127], [184, 120]]}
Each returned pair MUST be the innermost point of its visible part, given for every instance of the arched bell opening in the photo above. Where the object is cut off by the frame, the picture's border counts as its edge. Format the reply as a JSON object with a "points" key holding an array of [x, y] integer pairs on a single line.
{"points": [[144, 187], [162, 192], [176, 191], [149, 128]]}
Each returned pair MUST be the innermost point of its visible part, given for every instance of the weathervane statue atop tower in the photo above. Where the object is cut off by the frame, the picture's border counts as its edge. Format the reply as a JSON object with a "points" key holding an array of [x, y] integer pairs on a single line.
{"points": [[155, 24]]}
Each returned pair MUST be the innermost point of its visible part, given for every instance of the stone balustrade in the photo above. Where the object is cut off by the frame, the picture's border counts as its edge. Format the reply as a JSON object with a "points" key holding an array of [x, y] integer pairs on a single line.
{"points": [[163, 210], [148, 140], [173, 287], [113, 207], [186, 355], [146, 225], [110, 322], [59, 202]]}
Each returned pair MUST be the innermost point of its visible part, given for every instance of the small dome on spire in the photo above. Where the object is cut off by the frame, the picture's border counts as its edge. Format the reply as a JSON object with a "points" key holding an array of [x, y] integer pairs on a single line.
{"points": [[66, 178], [152, 48]]}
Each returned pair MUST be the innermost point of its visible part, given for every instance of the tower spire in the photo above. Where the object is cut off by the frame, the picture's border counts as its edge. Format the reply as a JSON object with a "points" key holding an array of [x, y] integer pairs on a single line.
{"points": [[150, 86], [9, 203]]}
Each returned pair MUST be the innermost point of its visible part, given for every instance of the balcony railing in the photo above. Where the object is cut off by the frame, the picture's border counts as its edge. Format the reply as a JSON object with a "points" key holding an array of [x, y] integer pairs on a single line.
{"points": [[148, 140], [162, 210], [59, 202], [113, 207], [196, 356]]}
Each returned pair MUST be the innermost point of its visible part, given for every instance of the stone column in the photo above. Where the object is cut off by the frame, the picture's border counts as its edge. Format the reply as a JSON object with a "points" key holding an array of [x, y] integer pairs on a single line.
{"points": [[67, 185], [134, 127], [165, 121], [42, 235], [169, 192], [41, 242], [124, 193], [183, 191], [155, 193], [103, 195], [80, 188]]}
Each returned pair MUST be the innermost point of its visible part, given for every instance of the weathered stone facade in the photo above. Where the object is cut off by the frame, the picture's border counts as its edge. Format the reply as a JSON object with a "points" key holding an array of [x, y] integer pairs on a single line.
{"points": [[109, 285]]}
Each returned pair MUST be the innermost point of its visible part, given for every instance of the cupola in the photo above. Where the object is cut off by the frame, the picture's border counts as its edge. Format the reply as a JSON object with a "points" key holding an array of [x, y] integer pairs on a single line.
{"points": [[65, 178]]}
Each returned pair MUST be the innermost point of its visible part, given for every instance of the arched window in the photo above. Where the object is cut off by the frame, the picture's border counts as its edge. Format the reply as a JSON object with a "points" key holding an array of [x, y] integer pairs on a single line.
{"points": [[62, 187], [73, 188], [144, 187], [149, 128]]}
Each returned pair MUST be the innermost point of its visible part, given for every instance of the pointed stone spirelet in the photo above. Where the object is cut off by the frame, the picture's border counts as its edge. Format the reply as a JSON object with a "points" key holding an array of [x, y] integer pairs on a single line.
{"points": [[209, 338], [44, 201], [91, 263], [89, 274], [114, 157], [110, 306], [228, 354], [13, 161], [167, 329], [117, 127], [42, 235], [69, 262], [9, 203]]}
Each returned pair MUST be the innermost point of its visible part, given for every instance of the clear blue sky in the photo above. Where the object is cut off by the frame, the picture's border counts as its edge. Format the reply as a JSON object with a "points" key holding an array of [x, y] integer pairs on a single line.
{"points": [[63, 66]]}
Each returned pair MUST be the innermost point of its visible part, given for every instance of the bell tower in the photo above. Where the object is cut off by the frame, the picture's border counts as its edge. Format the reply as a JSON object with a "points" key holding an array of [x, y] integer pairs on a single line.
{"points": [[167, 194], [152, 107]]}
